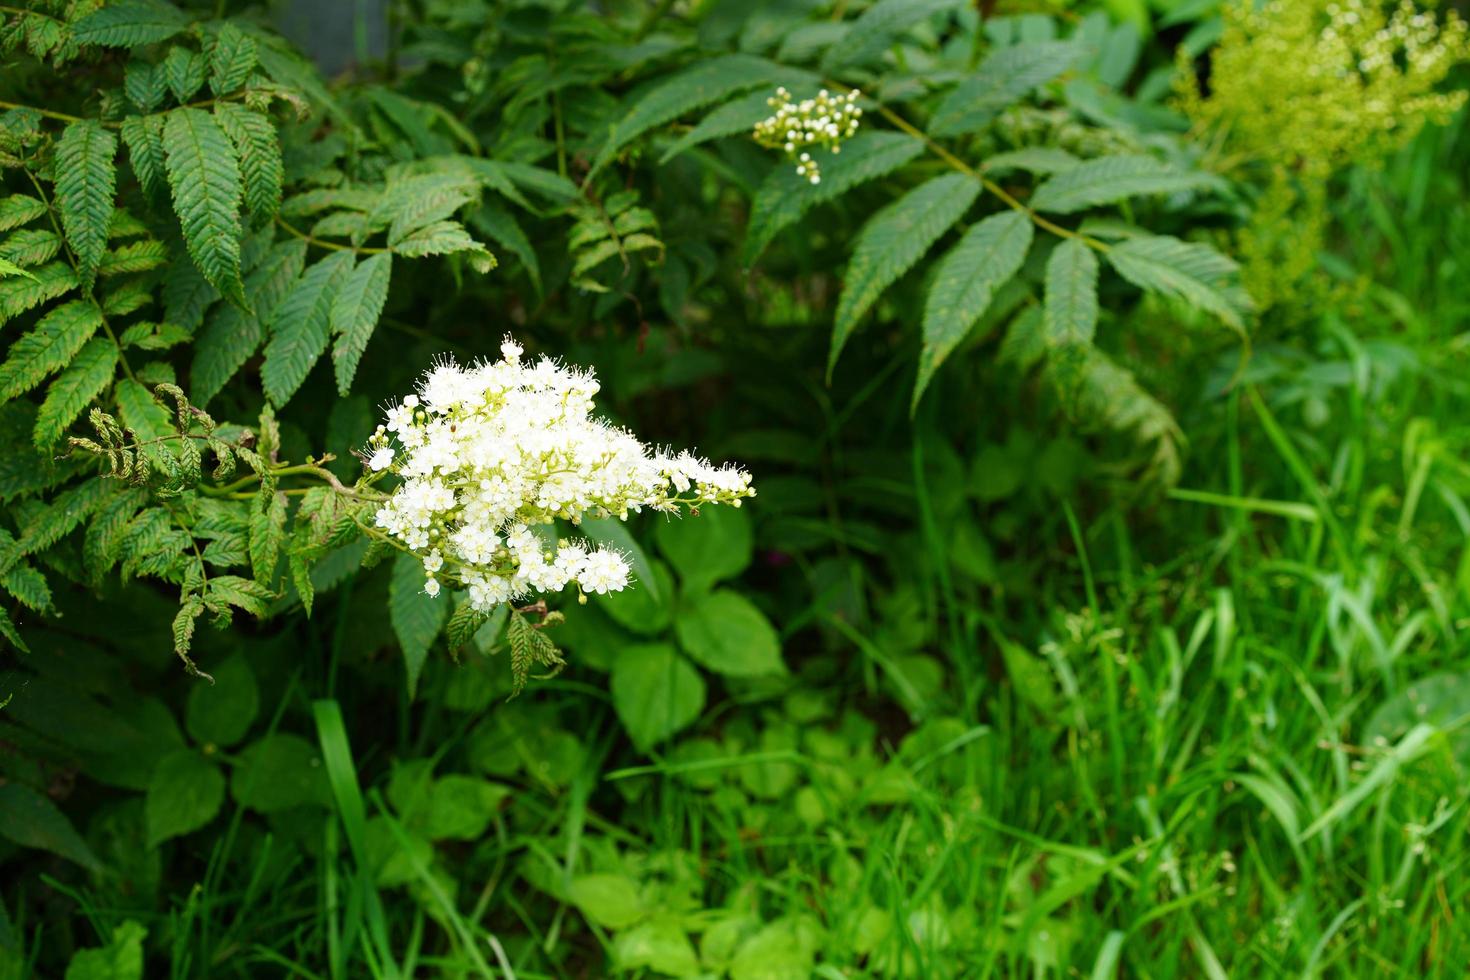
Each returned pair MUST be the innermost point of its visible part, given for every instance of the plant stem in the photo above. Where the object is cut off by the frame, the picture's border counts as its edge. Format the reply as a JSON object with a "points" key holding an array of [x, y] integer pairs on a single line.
{"points": [[323, 243]]}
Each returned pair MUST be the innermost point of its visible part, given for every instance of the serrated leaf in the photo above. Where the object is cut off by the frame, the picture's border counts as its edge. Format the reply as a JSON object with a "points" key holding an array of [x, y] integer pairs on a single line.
{"points": [[187, 294], [1071, 295], [184, 794], [416, 616], [46, 282], [88, 375], [232, 335], [231, 59], [438, 238], [86, 181], [878, 28], [145, 86], [739, 116], [9, 268], [133, 257], [710, 80], [1101, 396], [28, 587], [988, 254], [300, 327], [204, 177], [1032, 159], [144, 137], [463, 624], [267, 535], [1005, 76], [355, 314], [1195, 273], [129, 23], [18, 209], [242, 593], [501, 227], [1110, 179], [184, 72], [254, 136], [62, 515], [784, 195], [29, 246], [56, 339], [892, 241]]}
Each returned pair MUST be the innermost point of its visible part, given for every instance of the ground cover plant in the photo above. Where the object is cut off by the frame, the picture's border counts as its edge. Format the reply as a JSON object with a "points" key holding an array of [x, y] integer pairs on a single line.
{"points": [[913, 488]]}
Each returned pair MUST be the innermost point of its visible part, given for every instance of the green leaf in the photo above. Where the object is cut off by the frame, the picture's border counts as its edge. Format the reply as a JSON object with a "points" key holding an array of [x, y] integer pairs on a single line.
{"points": [[204, 176], [267, 535], [279, 772], [1197, 274], [437, 238], [613, 533], [145, 86], [120, 959], [708, 548], [723, 632], [19, 209], [460, 807], [1100, 396], [184, 72], [259, 150], [187, 295], [785, 196], [9, 632], [221, 713], [129, 23], [639, 607], [655, 692], [739, 116], [29, 246], [416, 616], [1071, 294], [243, 593], [88, 375], [184, 794], [86, 180], [892, 241], [232, 335], [501, 227], [355, 313], [990, 253], [300, 327], [878, 28], [8, 268], [45, 283], [1031, 159], [1003, 77], [31, 820], [709, 80], [231, 59], [611, 901], [56, 339], [1109, 179], [660, 944]]}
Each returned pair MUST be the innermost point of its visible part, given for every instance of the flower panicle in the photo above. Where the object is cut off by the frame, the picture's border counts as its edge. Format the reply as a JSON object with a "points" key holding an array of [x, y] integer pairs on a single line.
{"points": [[797, 127]]}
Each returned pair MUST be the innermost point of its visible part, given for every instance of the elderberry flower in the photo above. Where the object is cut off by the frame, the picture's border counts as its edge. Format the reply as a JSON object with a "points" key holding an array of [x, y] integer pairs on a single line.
{"points": [[491, 455], [825, 121]]}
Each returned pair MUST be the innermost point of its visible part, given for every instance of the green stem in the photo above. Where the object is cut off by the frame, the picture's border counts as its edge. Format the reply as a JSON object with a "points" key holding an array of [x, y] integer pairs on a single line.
{"points": [[323, 243]]}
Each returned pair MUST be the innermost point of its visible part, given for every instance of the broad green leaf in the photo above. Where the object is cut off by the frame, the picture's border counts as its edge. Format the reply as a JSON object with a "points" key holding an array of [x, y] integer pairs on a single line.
{"points": [[785, 196], [708, 80], [714, 545], [638, 607], [221, 713], [782, 950], [86, 180], [1441, 700], [120, 959], [879, 27], [129, 23], [1110, 179], [610, 900], [300, 327], [723, 632], [88, 375], [184, 794], [655, 692], [416, 616], [1197, 274], [204, 176], [355, 313], [892, 241], [460, 807], [232, 335], [279, 772], [1005, 76], [1071, 294], [661, 945], [52, 345], [254, 136], [231, 59], [31, 820], [968, 275]]}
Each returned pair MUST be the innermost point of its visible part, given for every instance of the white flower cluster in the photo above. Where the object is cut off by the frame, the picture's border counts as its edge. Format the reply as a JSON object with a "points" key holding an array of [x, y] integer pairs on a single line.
{"points": [[826, 121], [492, 454]]}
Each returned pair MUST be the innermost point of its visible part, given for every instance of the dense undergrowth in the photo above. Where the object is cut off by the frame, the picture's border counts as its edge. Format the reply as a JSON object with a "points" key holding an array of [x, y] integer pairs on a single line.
{"points": [[1100, 611]]}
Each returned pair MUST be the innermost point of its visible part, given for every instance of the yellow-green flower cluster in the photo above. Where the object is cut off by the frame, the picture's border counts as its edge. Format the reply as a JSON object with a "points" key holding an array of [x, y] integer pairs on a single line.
{"points": [[1302, 89], [796, 127]]}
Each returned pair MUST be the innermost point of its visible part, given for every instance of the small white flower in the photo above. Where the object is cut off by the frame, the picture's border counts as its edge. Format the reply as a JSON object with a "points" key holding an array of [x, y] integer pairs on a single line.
{"points": [[431, 587], [381, 459]]}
